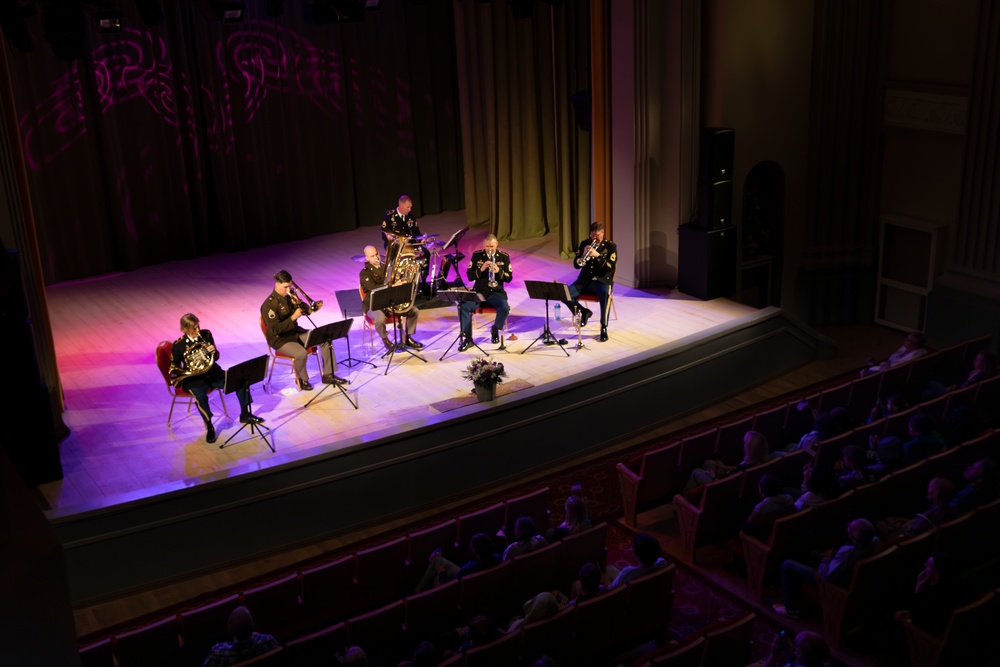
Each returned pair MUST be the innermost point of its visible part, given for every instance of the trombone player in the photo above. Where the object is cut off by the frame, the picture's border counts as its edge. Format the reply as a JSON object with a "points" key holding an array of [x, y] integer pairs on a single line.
{"points": [[489, 269], [596, 260], [280, 313], [374, 275], [193, 368]]}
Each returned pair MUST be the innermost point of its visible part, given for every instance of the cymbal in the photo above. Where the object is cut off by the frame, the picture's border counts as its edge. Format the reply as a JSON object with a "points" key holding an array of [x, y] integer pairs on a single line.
{"points": [[360, 259], [433, 245], [424, 237]]}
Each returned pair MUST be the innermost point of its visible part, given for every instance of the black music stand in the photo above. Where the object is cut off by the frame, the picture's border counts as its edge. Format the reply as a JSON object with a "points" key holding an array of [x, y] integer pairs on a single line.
{"points": [[453, 259], [385, 298], [327, 334], [458, 297], [244, 375], [350, 304], [550, 291]]}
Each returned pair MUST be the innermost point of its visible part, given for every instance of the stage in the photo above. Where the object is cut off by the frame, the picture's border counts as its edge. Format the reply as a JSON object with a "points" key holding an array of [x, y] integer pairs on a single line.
{"points": [[130, 479]]}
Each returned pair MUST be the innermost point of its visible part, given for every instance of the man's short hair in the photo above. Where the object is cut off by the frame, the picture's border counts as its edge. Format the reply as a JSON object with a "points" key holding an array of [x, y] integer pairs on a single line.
{"points": [[282, 277], [241, 623], [596, 226], [404, 198], [646, 548], [491, 237]]}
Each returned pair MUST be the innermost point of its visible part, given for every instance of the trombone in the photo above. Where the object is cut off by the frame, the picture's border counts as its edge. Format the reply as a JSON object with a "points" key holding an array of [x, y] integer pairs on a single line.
{"points": [[303, 302]]}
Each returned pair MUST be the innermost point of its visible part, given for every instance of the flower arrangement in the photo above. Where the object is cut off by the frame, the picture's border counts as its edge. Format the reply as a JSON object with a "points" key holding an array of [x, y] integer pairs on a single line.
{"points": [[484, 372]]}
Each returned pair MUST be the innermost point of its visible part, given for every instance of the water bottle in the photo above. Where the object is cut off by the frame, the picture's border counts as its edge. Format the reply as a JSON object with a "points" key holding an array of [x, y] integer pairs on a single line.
{"points": [[558, 311]]}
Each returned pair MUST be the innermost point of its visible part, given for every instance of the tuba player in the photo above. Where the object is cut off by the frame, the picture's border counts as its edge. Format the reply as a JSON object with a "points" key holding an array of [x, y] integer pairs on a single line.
{"points": [[198, 345], [489, 269], [372, 276]]}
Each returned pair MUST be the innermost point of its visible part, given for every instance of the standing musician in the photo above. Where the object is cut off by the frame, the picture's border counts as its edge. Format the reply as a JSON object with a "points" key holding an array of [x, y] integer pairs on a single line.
{"points": [[281, 311], [596, 259], [400, 222], [372, 276], [489, 269], [190, 354]]}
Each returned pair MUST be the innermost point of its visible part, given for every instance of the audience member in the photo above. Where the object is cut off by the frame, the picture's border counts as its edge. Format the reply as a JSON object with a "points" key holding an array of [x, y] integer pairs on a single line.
{"points": [[914, 346], [814, 491], [246, 642], [937, 592], [482, 630], [833, 567], [755, 451], [826, 425], [775, 504], [980, 486], [940, 491], [590, 583], [808, 650], [983, 366], [575, 519], [924, 440], [856, 471], [647, 550], [481, 556], [527, 539], [895, 403], [354, 656], [427, 654]]}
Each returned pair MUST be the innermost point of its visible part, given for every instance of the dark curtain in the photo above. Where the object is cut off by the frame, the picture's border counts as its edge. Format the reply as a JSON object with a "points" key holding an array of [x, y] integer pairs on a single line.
{"points": [[527, 163], [193, 136]]}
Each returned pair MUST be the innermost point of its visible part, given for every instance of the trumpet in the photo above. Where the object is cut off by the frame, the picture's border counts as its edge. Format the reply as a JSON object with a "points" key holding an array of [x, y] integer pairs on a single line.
{"points": [[585, 257], [492, 278], [307, 305]]}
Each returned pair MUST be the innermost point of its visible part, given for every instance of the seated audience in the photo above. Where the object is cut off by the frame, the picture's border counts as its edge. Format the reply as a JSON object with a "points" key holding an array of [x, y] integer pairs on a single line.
{"points": [[833, 567], [813, 489], [980, 487], [856, 471], [937, 592], [647, 550], [427, 654], [895, 403], [826, 425], [527, 539], [808, 650], [575, 518], [440, 570], [914, 346], [755, 451], [246, 642], [775, 504], [354, 656], [590, 583], [482, 630], [983, 366], [940, 491]]}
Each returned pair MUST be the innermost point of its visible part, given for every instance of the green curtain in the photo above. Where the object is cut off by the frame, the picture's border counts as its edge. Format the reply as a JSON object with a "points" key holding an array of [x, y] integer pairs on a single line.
{"points": [[526, 161]]}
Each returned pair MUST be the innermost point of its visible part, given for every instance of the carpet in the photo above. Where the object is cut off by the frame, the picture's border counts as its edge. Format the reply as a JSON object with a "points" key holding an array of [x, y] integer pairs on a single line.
{"points": [[503, 389]]}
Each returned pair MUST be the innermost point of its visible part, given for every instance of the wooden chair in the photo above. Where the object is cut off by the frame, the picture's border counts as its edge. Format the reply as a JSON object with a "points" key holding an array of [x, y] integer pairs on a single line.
{"points": [[433, 612], [764, 558], [729, 645], [276, 357], [205, 626], [598, 621], [649, 480], [369, 325], [729, 445], [534, 505], [681, 655], [650, 604], [504, 650], [836, 397], [489, 593], [771, 423], [963, 635], [552, 636], [164, 354], [536, 571], [329, 594], [382, 572], [380, 632], [488, 520], [273, 658], [422, 543], [712, 514], [317, 649], [587, 546], [875, 583], [277, 607], [157, 644]]}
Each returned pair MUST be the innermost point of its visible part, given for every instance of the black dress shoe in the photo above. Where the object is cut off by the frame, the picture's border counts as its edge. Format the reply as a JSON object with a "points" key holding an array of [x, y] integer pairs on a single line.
{"points": [[250, 419], [388, 344], [413, 343], [585, 315], [465, 344], [604, 334], [305, 386], [494, 336], [333, 379], [210, 436]]}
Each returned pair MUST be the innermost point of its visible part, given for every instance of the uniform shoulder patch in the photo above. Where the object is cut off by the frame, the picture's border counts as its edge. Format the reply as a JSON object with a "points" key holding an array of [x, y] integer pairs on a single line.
{"points": [[271, 314]]}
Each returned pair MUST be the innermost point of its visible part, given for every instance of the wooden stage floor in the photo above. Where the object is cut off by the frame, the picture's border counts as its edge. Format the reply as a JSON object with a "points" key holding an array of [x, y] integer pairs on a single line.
{"points": [[106, 330]]}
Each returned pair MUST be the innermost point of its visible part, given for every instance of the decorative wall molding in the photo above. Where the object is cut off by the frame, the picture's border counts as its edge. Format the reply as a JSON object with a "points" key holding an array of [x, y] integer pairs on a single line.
{"points": [[926, 111]]}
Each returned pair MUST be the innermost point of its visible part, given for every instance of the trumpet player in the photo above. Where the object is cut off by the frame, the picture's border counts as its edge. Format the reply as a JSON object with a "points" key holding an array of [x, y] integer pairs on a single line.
{"points": [[372, 276], [596, 259], [489, 269], [280, 313], [194, 369]]}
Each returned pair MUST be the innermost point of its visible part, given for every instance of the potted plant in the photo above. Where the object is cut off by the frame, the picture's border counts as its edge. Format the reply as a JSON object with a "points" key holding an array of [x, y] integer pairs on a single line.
{"points": [[485, 376]]}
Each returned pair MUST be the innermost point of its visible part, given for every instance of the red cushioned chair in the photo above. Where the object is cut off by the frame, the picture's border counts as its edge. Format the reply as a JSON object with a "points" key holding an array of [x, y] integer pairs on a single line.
{"points": [[163, 356], [279, 358]]}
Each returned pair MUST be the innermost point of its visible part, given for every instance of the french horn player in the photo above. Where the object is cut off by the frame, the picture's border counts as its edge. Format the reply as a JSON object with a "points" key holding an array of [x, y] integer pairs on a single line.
{"points": [[489, 268], [193, 368]]}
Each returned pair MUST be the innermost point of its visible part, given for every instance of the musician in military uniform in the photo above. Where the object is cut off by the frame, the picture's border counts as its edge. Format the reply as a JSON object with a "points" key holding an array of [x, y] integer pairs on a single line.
{"points": [[596, 259], [489, 268], [189, 356], [280, 312], [372, 276], [400, 222]]}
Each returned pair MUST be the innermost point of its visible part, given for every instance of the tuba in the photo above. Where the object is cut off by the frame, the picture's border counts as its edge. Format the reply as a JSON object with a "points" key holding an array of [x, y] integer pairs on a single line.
{"points": [[197, 360], [402, 266]]}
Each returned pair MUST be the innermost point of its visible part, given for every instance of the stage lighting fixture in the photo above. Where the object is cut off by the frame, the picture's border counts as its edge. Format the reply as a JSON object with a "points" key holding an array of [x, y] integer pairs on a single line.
{"points": [[13, 26], [150, 11], [226, 11], [334, 11], [522, 9], [373, 5], [109, 20], [63, 28], [275, 8]]}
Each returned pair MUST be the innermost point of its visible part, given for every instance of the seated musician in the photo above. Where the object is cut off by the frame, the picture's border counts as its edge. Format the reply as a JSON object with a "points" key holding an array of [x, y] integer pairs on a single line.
{"points": [[281, 311], [596, 259], [194, 369], [372, 276], [489, 269], [400, 222]]}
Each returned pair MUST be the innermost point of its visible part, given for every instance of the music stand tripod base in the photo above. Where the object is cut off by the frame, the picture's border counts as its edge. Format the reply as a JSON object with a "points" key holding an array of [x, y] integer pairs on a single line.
{"points": [[549, 291], [386, 298], [246, 374], [323, 335], [458, 297]]}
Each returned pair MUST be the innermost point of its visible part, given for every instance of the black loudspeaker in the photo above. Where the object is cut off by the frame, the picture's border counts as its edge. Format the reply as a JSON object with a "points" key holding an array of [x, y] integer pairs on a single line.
{"points": [[716, 153], [715, 204], [706, 261]]}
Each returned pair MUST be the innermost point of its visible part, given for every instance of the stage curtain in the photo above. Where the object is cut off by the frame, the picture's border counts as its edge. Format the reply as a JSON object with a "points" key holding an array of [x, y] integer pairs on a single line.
{"points": [[527, 162], [193, 137]]}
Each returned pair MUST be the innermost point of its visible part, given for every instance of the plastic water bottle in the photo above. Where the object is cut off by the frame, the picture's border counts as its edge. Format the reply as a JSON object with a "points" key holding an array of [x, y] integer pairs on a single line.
{"points": [[558, 311]]}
